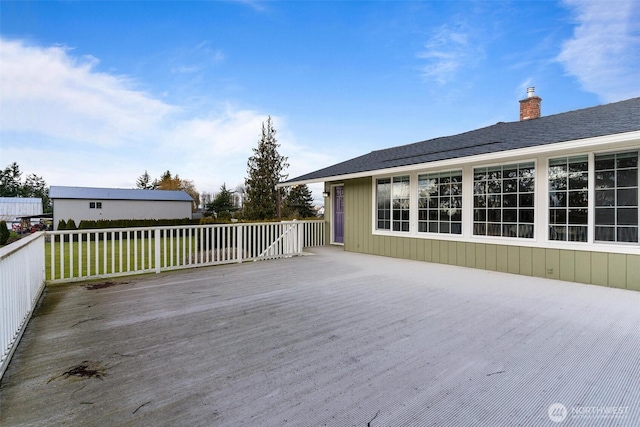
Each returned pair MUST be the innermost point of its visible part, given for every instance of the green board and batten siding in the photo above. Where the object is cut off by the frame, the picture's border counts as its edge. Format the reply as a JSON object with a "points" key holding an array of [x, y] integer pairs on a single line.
{"points": [[598, 268]]}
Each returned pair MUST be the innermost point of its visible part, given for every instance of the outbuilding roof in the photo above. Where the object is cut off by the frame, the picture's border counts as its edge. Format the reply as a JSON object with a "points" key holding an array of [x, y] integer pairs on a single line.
{"points": [[60, 192], [608, 119]]}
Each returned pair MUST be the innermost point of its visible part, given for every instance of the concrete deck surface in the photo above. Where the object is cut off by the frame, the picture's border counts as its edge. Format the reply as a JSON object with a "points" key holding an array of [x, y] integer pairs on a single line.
{"points": [[330, 339]]}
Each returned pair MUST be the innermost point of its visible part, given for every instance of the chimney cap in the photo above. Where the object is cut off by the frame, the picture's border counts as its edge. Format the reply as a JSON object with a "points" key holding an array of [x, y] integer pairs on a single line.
{"points": [[530, 92]]}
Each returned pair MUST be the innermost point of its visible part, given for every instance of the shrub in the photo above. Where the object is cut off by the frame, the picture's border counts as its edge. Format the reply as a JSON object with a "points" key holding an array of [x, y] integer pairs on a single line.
{"points": [[4, 233], [71, 225], [62, 225]]}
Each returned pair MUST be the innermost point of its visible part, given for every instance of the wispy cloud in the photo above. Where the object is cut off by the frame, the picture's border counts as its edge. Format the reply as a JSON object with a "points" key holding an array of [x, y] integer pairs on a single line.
{"points": [[447, 51], [604, 52], [49, 92], [64, 120]]}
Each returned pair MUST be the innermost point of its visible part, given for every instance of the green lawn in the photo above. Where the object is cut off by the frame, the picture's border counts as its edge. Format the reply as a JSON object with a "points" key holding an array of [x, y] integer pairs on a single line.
{"points": [[86, 259]]}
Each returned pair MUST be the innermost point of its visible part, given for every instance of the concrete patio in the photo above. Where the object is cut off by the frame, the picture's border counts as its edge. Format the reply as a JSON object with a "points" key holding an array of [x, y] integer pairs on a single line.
{"points": [[329, 339]]}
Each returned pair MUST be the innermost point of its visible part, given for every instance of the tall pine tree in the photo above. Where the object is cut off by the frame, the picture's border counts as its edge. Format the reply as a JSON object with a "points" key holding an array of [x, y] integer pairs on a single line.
{"points": [[266, 169]]}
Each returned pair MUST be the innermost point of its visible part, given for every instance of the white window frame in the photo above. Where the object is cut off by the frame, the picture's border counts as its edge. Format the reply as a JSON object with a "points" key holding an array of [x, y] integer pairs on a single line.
{"points": [[540, 155]]}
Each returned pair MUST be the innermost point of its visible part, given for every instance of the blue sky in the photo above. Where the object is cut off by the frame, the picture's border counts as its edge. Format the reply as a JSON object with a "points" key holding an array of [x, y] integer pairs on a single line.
{"points": [[95, 93]]}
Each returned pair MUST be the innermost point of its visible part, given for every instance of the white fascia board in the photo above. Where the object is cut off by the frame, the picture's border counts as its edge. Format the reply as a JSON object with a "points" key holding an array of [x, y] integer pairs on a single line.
{"points": [[621, 141]]}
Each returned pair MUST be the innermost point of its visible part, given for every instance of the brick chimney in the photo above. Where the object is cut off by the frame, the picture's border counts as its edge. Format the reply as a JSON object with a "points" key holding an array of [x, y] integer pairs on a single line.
{"points": [[530, 106]]}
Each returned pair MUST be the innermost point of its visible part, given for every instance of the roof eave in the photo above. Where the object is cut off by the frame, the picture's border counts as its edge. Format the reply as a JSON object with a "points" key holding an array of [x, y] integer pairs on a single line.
{"points": [[622, 139]]}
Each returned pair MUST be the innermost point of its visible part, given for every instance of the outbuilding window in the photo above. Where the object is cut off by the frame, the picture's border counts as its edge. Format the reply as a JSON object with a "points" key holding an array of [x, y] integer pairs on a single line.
{"points": [[503, 200]]}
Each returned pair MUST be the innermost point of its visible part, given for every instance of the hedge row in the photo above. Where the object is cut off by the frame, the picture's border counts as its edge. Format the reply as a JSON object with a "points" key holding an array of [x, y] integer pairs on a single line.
{"points": [[124, 223]]}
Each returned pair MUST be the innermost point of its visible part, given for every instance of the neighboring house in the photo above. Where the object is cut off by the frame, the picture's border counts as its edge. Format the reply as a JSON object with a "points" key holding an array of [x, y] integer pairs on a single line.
{"points": [[85, 203], [553, 196], [14, 208]]}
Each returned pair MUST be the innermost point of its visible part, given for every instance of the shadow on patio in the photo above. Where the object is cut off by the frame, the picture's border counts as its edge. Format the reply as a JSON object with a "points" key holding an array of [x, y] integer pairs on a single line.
{"points": [[336, 339]]}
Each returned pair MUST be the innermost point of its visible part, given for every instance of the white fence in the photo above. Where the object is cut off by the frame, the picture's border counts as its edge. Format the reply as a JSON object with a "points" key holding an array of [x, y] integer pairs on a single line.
{"points": [[83, 254], [22, 268]]}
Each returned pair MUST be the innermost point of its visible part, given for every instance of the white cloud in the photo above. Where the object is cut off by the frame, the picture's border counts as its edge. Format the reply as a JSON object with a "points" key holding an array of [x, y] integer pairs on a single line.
{"points": [[446, 52], [51, 93], [64, 120], [604, 52]]}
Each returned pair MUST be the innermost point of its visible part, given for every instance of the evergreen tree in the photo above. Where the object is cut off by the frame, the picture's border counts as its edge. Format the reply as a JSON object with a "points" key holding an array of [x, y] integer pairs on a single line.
{"points": [[170, 182], [222, 205], [10, 181], [144, 182], [299, 203], [266, 169], [11, 185]]}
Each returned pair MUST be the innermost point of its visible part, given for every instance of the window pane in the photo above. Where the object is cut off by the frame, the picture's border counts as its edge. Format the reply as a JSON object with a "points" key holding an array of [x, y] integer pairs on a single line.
{"points": [[526, 200], [557, 216], [494, 230], [578, 181], [525, 231], [509, 230], [605, 197], [606, 179], [494, 215], [558, 199], [606, 216], [627, 160], [577, 216], [510, 185], [577, 234], [628, 197], [510, 215], [578, 199], [627, 178], [526, 215], [605, 234], [627, 216], [627, 234], [557, 232], [605, 161]]}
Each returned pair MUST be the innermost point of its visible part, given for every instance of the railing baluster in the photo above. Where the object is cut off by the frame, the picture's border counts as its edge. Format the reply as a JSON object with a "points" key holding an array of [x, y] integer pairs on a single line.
{"points": [[160, 249]]}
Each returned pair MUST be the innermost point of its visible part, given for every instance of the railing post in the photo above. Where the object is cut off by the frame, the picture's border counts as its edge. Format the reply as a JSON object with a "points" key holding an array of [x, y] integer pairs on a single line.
{"points": [[156, 238], [300, 226], [239, 243]]}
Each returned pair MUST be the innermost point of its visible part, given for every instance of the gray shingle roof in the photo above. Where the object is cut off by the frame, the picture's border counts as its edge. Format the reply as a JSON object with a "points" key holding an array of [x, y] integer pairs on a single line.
{"points": [[609, 119], [59, 192]]}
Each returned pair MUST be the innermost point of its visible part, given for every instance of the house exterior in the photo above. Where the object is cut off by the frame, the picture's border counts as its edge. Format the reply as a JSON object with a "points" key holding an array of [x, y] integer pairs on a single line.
{"points": [[85, 203], [553, 196]]}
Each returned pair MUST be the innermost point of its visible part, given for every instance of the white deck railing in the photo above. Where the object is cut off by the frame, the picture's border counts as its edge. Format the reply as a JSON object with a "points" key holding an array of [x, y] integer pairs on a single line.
{"points": [[26, 265], [21, 283], [84, 254]]}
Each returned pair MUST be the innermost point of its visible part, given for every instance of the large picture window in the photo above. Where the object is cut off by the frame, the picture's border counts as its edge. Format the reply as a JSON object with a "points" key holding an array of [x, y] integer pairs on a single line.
{"points": [[616, 194], [568, 198], [440, 202], [392, 196], [503, 200]]}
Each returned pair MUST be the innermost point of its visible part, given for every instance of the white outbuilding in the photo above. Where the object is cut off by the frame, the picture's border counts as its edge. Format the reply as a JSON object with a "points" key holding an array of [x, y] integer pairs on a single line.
{"points": [[88, 203]]}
